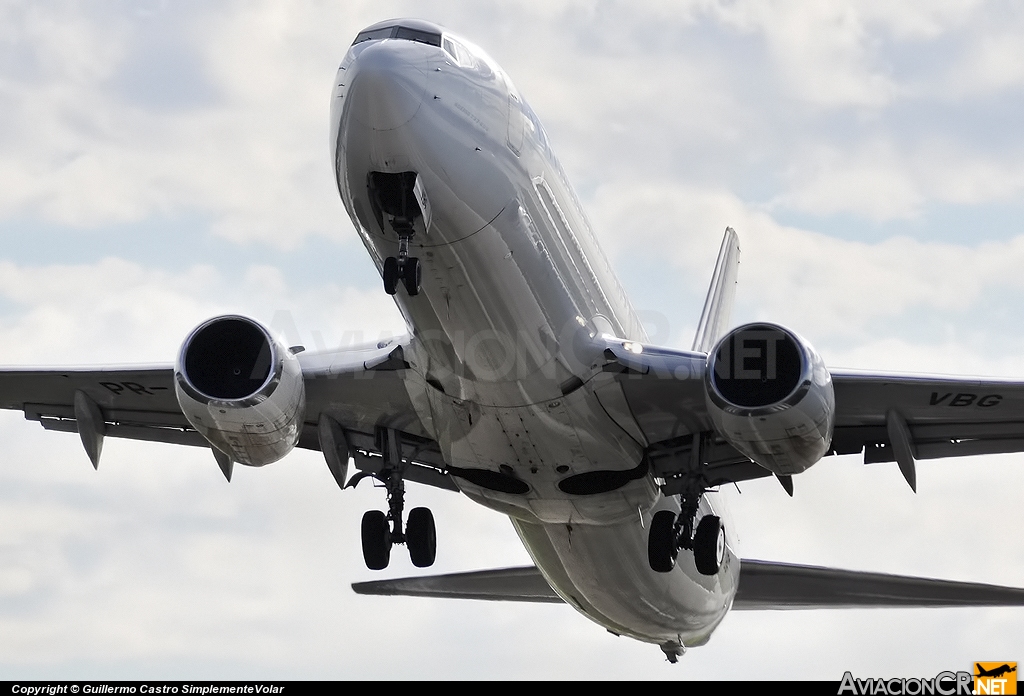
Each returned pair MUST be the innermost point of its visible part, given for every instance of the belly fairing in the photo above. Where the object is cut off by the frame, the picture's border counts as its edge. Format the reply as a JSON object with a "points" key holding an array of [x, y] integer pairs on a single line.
{"points": [[603, 573]]}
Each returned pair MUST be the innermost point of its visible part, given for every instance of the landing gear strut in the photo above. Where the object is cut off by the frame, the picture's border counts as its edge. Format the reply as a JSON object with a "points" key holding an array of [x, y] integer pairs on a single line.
{"points": [[402, 268], [380, 531]]}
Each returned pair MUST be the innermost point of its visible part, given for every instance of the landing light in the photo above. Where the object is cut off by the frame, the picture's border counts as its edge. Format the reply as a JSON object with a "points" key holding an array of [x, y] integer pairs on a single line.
{"points": [[633, 347]]}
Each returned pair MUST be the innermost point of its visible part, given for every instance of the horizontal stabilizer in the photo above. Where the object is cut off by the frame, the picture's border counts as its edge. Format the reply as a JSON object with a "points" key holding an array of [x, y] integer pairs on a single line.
{"points": [[767, 585], [504, 584], [763, 585]]}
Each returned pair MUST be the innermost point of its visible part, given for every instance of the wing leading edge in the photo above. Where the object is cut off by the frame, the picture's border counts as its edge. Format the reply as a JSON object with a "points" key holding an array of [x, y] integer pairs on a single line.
{"points": [[763, 585]]}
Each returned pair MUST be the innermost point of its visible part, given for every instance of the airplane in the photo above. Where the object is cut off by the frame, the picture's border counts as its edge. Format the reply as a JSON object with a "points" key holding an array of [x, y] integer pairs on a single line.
{"points": [[527, 381], [995, 671]]}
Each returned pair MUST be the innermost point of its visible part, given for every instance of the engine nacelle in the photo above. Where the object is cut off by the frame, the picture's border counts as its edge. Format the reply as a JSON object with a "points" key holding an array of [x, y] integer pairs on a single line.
{"points": [[770, 396], [241, 389]]}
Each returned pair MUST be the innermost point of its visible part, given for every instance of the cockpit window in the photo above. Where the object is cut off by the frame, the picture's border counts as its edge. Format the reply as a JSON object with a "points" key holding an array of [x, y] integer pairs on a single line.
{"points": [[458, 52], [399, 32], [417, 35], [384, 33]]}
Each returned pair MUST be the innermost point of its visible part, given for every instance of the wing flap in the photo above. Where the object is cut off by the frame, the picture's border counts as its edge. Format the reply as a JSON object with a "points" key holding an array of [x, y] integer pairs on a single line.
{"points": [[171, 436], [768, 585]]}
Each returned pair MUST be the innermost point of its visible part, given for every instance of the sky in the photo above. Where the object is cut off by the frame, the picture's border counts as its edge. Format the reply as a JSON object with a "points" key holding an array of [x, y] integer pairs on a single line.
{"points": [[161, 163]]}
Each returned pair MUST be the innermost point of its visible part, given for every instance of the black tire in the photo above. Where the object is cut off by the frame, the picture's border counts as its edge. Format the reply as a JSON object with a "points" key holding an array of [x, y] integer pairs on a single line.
{"points": [[709, 545], [661, 542], [421, 537], [412, 273], [391, 273], [376, 540]]}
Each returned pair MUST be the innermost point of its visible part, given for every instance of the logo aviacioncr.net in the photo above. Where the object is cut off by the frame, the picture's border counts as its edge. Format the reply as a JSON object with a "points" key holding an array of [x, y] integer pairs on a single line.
{"points": [[995, 677]]}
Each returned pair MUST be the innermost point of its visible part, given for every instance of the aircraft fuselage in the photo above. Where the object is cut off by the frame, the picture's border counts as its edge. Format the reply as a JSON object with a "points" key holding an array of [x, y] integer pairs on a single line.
{"points": [[514, 290]]}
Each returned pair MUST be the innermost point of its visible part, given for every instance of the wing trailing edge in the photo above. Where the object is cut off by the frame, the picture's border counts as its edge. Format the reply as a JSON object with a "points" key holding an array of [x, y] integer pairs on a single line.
{"points": [[763, 585]]}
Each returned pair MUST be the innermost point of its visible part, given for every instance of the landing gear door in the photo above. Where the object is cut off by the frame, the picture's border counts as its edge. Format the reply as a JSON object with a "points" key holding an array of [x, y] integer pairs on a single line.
{"points": [[421, 198]]}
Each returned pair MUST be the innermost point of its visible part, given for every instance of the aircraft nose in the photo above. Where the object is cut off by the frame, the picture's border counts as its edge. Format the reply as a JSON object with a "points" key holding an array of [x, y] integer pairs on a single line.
{"points": [[387, 87]]}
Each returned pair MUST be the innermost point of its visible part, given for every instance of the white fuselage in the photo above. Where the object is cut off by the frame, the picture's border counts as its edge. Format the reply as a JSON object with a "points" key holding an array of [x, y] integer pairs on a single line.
{"points": [[514, 290]]}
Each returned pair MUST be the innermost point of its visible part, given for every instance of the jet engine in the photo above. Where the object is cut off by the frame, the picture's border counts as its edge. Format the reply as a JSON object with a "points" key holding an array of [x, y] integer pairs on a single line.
{"points": [[770, 396], [242, 389]]}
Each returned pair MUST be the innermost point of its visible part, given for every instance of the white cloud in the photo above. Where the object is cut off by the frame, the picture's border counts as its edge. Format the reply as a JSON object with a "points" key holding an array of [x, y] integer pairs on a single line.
{"points": [[847, 295], [120, 311], [678, 120]]}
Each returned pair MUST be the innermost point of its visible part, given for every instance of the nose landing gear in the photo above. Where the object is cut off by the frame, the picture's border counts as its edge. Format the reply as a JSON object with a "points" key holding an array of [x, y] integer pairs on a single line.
{"points": [[398, 199], [404, 268]]}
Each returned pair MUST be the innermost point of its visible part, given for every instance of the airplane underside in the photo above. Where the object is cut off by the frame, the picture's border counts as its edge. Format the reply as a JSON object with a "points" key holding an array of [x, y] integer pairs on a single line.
{"points": [[502, 351], [527, 382]]}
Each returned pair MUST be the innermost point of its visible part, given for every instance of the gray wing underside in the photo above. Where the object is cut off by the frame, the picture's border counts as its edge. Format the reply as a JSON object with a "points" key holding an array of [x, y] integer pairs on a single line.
{"points": [[663, 390], [524, 584], [137, 401], [946, 416], [763, 585], [363, 390], [768, 585], [658, 395]]}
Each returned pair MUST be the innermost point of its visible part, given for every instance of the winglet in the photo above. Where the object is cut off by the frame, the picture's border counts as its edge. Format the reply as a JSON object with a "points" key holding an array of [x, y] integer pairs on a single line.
{"points": [[718, 305]]}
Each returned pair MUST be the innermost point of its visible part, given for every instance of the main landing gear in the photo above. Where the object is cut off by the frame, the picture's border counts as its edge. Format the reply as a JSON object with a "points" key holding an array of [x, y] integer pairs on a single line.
{"points": [[380, 531], [670, 533]]}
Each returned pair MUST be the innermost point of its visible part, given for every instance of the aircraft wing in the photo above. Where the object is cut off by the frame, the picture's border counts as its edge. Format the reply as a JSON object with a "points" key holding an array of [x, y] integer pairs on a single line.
{"points": [[946, 416], [885, 417], [137, 401], [361, 389], [768, 585], [762, 585]]}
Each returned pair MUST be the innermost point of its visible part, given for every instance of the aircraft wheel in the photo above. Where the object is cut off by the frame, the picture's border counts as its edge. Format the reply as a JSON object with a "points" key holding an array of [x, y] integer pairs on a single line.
{"points": [[661, 542], [376, 540], [709, 545], [421, 537], [391, 273], [412, 274]]}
